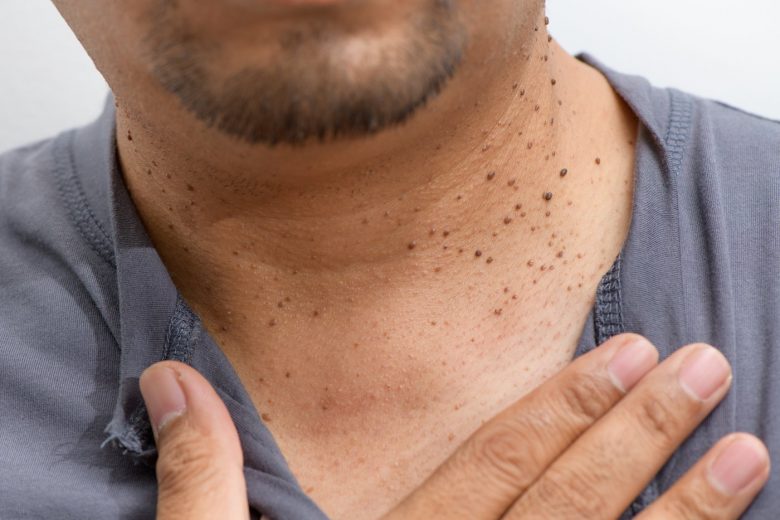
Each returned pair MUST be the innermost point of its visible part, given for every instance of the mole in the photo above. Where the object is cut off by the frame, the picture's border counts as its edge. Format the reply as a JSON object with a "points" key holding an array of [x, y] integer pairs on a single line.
{"points": [[497, 312], [507, 220], [315, 314], [522, 214], [510, 182], [514, 86], [477, 253], [564, 172], [553, 82], [489, 260], [560, 254], [530, 263], [190, 187], [491, 175], [129, 136], [287, 375], [518, 206], [266, 417], [280, 304], [271, 322], [546, 20], [546, 213], [598, 160], [411, 245], [548, 195]]}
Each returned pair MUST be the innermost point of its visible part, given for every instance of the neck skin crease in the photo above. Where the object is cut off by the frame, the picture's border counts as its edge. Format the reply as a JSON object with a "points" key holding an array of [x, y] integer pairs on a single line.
{"points": [[365, 289]]}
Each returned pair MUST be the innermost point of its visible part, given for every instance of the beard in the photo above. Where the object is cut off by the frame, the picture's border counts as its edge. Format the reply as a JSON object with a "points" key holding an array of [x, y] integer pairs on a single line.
{"points": [[318, 79]]}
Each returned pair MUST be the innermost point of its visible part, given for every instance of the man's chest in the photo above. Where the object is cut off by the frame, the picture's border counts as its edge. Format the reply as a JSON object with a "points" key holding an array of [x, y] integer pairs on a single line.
{"points": [[356, 455]]}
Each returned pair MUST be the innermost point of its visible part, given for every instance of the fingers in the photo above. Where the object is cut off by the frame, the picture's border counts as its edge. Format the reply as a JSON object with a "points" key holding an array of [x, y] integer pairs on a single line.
{"points": [[507, 454], [610, 464], [719, 486], [200, 464]]}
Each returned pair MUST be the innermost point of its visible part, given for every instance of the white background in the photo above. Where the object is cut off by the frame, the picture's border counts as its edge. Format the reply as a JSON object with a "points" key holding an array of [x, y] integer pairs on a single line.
{"points": [[720, 49]]}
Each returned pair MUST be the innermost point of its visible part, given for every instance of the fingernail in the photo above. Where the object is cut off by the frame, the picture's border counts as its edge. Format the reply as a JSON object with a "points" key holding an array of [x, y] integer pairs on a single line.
{"points": [[703, 372], [163, 395], [738, 465], [631, 362]]}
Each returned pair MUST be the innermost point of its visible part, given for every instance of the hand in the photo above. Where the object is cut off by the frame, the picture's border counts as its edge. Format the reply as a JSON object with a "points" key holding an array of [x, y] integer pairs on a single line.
{"points": [[577, 446], [200, 463]]}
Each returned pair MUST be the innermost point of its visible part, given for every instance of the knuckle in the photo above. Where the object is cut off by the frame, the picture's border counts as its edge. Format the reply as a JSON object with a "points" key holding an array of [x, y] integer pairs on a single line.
{"points": [[656, 417], [585, 398], [694, 502], [570, 492], [186, 464], [505, 453]]}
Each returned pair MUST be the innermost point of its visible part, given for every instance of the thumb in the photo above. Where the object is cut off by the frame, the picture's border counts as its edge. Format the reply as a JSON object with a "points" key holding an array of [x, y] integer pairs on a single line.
{"points": [[200, 464]]}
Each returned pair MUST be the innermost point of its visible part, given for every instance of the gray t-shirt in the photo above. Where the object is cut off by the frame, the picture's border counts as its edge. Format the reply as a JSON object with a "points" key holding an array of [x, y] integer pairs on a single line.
{"points": [[87, 304]]}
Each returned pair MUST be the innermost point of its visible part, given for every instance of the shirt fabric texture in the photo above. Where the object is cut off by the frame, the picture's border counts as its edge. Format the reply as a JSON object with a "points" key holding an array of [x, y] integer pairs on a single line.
{"points": [[87, 304]]}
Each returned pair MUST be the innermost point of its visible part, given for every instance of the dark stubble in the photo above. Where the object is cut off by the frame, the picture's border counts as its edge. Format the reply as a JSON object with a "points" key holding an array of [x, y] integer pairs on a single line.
{"points": [[301, 90]]}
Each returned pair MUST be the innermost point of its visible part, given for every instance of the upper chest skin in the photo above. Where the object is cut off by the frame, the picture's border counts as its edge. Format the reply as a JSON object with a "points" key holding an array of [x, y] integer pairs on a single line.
{"points": [[365, 398]]}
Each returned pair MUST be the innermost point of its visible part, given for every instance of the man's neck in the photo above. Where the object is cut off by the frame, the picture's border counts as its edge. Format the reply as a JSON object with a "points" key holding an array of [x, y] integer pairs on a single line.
{"points": [[470, 193], [225, 213]]}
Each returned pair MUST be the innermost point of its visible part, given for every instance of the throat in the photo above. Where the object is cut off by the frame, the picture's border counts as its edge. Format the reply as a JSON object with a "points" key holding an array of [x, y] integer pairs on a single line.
{"points": [[364, 413]]}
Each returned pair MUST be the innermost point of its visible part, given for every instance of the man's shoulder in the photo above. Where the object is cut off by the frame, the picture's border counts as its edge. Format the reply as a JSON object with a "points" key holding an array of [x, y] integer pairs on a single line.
{"points": [[45, 259], [24, 163], [27, 180], [729, 161], [735, 135], [695, 133]]}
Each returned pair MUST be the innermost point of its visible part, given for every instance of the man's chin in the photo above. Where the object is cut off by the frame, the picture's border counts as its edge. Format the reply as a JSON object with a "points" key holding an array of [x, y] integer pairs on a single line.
{"points": [[310, 88]]}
